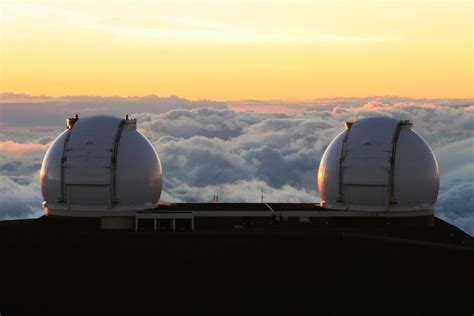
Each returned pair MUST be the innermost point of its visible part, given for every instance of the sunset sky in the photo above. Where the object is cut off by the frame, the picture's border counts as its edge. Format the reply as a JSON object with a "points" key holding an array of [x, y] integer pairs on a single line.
{"points": [[241, 49]]}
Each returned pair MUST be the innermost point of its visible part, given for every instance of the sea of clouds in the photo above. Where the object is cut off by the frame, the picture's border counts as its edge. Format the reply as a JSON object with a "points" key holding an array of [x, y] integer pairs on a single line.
{"points": [[235, 149]]}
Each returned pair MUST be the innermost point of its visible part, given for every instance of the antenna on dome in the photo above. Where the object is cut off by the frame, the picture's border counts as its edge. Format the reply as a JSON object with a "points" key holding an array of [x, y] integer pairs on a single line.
{"points": [[71, 120], [262, 196]]}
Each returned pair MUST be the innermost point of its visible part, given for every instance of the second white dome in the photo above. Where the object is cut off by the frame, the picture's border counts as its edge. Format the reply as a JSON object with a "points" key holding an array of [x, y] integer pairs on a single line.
{"points": [[378, 164]]}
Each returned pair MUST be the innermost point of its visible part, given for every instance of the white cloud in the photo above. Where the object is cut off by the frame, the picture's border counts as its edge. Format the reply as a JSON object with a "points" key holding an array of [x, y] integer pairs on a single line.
{"points": [[456, 198], [20, 197]]}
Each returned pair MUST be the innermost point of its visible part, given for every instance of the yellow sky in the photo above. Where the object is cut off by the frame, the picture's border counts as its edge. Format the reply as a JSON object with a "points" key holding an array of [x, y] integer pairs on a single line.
{"points": [[239, 49]]}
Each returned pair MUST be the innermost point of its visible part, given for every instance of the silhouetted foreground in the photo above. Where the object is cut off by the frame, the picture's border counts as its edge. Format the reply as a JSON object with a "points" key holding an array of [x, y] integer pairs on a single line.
{"points": [[70, 266]]}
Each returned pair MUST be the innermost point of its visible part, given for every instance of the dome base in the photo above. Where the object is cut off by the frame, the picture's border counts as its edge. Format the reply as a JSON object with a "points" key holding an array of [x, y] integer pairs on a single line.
{"points": [[392, 208], [94, 212], [117, 222]]}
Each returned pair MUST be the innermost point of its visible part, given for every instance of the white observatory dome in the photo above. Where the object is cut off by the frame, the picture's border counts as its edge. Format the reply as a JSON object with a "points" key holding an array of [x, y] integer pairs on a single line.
{"points": [[378, 164], [100, 166]]}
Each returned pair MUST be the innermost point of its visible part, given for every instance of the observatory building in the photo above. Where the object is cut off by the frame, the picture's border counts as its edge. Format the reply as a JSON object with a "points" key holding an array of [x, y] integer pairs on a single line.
{"points": [[101, 166], [379, 164], [377, 171]]}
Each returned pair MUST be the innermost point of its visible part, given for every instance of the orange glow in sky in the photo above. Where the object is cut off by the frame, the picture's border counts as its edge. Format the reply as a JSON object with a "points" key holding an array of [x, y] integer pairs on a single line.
{"points": [[240, 49]]}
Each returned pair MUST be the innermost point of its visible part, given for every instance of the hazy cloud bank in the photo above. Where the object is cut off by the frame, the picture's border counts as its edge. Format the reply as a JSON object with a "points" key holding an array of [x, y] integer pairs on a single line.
{"points": [[22, 110], [208, 149]]}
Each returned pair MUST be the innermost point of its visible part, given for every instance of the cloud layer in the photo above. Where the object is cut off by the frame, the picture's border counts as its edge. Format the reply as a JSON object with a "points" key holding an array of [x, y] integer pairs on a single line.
{"points": [[212, 148]]}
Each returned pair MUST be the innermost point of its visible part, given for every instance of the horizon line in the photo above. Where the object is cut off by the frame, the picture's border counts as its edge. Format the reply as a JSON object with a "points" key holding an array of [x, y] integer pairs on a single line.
{"points": [[28, 95]]}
